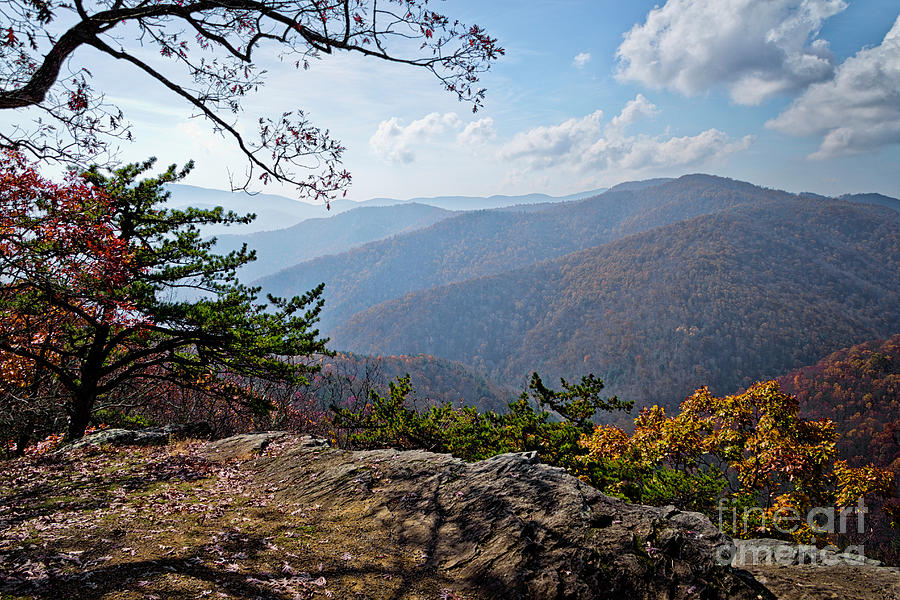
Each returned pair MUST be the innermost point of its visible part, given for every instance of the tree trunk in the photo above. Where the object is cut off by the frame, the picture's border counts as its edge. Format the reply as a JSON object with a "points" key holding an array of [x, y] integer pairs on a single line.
{"points": [[79, 415], [23, 438], [84, 396]]}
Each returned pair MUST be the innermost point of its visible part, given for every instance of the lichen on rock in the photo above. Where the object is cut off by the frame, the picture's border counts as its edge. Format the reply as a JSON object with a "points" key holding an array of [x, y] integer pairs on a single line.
{"points": [[512, 527]]}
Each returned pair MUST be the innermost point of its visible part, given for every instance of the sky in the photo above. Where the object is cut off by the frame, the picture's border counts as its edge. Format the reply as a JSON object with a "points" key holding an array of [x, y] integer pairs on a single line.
{"points": [[801, 95]]}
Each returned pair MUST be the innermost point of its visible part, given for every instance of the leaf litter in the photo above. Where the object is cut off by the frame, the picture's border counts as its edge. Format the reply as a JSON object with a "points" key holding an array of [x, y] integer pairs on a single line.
{"points": [[165, 522]]}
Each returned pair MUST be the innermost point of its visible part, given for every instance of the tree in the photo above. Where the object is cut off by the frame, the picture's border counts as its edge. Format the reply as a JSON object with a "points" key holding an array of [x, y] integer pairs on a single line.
{"points": [[28, 409], [751, 452], [94, 282], [213, 44], [389, 421]]}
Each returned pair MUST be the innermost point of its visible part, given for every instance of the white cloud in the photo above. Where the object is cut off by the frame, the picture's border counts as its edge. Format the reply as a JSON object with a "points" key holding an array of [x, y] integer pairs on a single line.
{"points": [[644, 153], [477, 132], [755, 49], [634, 111], [858, 110], [394, 142], [589, 145], [549, 146], [581, 59]]}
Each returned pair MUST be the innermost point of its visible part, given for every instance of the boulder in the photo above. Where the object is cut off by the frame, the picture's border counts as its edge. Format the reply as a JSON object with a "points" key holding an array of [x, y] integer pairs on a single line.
{"points": [[512, 527], [767, 551], [803, 572], [148, 436]]}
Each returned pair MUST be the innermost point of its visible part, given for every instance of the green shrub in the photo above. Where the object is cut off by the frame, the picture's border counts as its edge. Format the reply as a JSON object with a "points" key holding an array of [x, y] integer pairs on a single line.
{"points": [[120, 420], [546, 421]]}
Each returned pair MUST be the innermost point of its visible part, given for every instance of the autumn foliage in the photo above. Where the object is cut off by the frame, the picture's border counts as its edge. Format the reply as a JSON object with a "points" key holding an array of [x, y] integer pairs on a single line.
{"points": [[859, 389], [749, 460], [56, 240], [748, 450], [94, 311]]}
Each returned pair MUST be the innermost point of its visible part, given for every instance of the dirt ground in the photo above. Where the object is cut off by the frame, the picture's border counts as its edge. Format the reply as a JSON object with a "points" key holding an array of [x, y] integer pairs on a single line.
{"points": [[838, 582], [160, 523], [165, 522]]}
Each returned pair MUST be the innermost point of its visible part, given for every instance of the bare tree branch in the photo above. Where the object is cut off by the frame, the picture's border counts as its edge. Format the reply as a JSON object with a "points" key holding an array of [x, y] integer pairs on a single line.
{"points": [[290, 149]]}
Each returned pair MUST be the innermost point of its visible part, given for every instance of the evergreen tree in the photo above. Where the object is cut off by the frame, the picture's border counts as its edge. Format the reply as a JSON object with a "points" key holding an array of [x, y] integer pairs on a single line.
{"points": [[115, 295]]}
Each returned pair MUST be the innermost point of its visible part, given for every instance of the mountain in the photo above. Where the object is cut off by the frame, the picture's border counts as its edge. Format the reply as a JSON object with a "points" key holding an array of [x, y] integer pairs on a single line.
{"points": [[481, 243], [722, 299], [318, 237], [461, 203], [277, 212], [879, 199], [629, 186], [272, 212], [347, 378], [859, 389]]}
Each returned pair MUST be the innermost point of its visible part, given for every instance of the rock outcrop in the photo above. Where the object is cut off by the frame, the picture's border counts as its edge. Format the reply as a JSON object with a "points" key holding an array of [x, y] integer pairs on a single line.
{"points": [[801, 572], [512, 527], [149, 436], [767, 551]]}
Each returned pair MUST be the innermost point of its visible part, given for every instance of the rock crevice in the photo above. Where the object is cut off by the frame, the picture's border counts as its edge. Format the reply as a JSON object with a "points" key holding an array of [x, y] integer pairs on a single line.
{"points": [[514, 528]]}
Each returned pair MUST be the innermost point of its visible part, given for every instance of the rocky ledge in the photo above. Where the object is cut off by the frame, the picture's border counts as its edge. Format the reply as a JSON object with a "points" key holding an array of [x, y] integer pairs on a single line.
{"points": [[508, 526], [320, 522]]}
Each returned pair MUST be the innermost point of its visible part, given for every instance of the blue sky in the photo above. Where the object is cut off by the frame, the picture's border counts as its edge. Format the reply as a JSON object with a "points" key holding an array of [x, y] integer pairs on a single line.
{"points": [[802, 95]]}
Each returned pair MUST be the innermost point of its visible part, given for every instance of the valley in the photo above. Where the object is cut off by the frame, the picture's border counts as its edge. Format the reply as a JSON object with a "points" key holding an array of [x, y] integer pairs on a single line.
{"points": [[657, 287]]}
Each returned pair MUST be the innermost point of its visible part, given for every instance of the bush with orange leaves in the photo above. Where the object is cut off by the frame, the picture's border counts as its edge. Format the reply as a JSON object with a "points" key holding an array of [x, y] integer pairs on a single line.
{"points": [[749, 458]]}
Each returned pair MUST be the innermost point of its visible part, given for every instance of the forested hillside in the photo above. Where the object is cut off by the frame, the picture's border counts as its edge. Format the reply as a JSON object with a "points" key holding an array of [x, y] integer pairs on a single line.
{"points": [[347, 378], [318, 237], [879, 199], [859, 389], [490, 242], [723, 299]]}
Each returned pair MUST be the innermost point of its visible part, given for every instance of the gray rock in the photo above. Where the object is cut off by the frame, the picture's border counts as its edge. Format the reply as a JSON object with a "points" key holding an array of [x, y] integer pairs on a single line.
{"points": [[247, 445], [149, 436], [514, 528], [768, 551]]}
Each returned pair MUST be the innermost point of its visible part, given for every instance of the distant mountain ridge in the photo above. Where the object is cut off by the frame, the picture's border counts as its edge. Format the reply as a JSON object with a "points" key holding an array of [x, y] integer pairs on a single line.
{"points": [[458, 203], [312, 238], [879, 199], [657, 286], [278, 212], [722, 299], [480, 243]]}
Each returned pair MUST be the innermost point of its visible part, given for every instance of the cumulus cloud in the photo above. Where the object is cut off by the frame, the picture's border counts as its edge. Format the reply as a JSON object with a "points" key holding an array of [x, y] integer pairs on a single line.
{"points": [[634, 111], [477, 132], [581, 59], [590, 144], [643, 153], [549, 146], [754, 49], [858, 110], [394, 142]]}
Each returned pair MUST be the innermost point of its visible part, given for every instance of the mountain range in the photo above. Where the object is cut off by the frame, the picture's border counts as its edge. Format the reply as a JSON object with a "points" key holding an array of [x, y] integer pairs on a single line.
{"points": [[658, 286], [277, 212], [322, 236], [719, 300], [480, 243]]}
